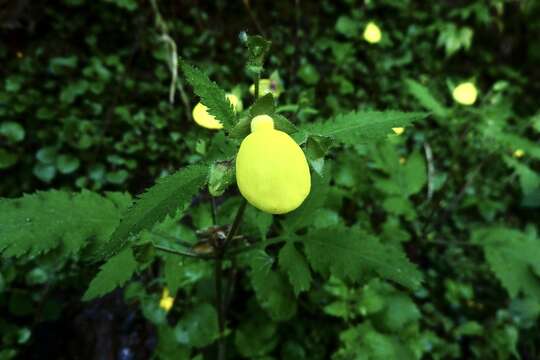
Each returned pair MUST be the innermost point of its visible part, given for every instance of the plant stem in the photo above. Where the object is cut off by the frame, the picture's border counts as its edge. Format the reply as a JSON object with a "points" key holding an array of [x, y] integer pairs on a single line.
{"points": [[218, 274], [236, 223], [182, 252], [257, 80]]}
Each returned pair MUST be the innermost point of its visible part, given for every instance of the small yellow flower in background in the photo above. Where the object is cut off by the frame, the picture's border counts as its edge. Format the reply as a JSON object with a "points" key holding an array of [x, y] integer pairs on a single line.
{"points": [[519, 153], [372, 33], [166, 301], [402, 160], [465, 93], [204, 119], [235, 102], [267, 86], [271, 169], [398, 130], [19, 54]]}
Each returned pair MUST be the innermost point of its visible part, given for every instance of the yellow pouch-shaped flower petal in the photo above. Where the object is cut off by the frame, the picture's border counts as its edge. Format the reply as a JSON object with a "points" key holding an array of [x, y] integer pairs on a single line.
{"points": [[465, 93], [204, 119], [271, 169], [372, 33]]}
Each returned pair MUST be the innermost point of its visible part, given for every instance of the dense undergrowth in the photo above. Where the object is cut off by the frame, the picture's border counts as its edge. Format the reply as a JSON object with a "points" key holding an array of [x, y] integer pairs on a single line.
{"points": [[84, 104]]}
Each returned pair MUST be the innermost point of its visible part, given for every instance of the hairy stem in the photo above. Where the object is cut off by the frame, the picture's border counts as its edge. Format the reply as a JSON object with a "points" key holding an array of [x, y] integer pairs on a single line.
{"points": [[218, 275]]}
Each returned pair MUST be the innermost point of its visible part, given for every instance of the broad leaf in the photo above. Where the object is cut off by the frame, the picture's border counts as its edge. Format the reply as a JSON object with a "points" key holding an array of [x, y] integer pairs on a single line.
{"points": [[296, 267], [513, 258], [351, 253], [37, 223]]}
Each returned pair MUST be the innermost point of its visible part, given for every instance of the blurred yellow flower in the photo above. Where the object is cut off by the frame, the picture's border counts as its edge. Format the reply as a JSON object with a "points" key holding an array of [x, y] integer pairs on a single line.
{"points": [[465, 93], [372, 33], [167, 301], [402, 160], [398, 130], [519, 153], [267, 86], [271, 169], [204, 119]]}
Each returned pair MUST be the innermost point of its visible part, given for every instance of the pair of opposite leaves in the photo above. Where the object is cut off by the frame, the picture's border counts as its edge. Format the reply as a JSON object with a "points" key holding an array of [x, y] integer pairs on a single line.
{"points": [[272, 172]]}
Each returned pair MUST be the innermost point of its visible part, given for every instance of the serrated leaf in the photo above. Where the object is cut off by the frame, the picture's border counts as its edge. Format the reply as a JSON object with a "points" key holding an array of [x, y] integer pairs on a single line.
{"points": [[513, 257], [114, 273], [351, 253], [37, 223], [199, 327], [303, 216], [169, 194], [212, 96], [361, 127], [272, 290], [296, 267], [263, 106], [425, 98]]}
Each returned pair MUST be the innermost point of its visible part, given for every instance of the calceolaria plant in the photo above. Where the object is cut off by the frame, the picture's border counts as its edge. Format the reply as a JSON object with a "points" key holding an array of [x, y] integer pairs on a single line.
{"points": [[252, 203]]}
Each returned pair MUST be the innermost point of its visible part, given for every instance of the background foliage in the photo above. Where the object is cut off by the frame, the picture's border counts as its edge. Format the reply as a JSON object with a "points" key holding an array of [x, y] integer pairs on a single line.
{"points": [[84, 104]]}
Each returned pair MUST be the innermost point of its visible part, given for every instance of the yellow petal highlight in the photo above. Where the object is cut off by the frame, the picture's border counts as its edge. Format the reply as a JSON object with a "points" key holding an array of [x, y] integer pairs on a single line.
{"points": [[398, 130], [204, 119], [519, 153], [167, 301], [271, 169], [465, 93], [372, 33]]}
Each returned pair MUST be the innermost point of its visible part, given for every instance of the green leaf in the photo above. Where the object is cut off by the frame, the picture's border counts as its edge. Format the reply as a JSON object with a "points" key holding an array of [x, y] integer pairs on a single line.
{"points": [[199, 327], [7, 159], [13, 131], [272, 290], [212, 96], [361, 127], [348, 26], [303, 216], [114, 273], [67, 164], [169, 194], [263, 106], [296, 267], [513, 257], [352, 253], [44, 172], [256, 337], [424, 97], [42, 221]]}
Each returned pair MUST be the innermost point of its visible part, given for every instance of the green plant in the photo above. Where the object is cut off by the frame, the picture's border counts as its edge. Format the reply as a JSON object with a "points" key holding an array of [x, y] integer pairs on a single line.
{"points": [[88, 226]]}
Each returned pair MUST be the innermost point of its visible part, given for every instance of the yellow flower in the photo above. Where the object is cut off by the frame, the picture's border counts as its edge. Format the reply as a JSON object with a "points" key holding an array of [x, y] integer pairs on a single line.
{"points": [[519, 153], [372, 33], [166, 301], [402, 160], [267, 86], [398, 130], [204, 119], [465, 93], [271, 169]]}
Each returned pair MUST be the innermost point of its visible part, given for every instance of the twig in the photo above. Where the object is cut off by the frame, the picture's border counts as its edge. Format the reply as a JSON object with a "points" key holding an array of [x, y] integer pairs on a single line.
{"points": [[172, 61], [182, 252], [431, 170], [254, 18]]}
